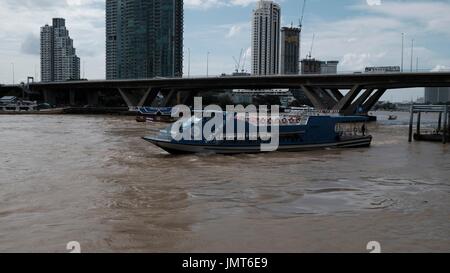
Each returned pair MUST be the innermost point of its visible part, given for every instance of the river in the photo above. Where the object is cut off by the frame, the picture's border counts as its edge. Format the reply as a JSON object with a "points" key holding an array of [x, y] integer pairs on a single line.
{"points": [[92, 179]]}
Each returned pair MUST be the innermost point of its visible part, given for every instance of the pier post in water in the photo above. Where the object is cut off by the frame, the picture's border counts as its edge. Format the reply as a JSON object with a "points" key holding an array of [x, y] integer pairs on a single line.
{"points": [[439, 122], [411, 120], [71, 97], [445, 131], [419, 116]]}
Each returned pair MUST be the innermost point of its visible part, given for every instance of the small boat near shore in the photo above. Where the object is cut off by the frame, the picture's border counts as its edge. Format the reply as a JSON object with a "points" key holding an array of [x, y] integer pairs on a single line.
{"points": [[296, 134], [53, 111], [10, 105], [392, 117], [155, 114]]}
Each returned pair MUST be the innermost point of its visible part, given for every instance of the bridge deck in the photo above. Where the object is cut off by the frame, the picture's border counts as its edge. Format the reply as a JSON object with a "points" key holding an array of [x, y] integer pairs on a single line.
{"points": [[342, 81], [324, 91]]}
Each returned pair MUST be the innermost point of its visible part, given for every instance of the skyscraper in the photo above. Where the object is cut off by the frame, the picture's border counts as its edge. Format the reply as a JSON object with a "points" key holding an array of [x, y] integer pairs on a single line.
{"points": [[144, 38], [266, 38], [290, 51], [329, 67], [111, 38], [313, 66], [59, 61]]}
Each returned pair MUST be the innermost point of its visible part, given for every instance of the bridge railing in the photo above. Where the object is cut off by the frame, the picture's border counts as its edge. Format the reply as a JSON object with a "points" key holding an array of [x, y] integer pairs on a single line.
{"points": [[429, 108], [340, 72]]}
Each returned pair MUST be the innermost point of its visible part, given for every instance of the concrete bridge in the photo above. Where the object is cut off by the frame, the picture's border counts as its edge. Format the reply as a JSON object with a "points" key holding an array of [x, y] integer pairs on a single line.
{"points": [[326, 92]]}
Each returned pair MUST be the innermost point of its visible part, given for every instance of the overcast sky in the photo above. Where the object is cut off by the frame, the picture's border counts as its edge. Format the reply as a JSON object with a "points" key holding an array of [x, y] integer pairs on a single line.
{"points": [[351, 31]]}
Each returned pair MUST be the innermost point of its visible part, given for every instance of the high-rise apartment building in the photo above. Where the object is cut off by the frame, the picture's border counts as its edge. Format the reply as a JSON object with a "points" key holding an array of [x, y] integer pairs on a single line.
{"points": [[266, 38], [59, 61], [313, 66], [290, 51], [111, 38], [329, 67], [144, 39]]}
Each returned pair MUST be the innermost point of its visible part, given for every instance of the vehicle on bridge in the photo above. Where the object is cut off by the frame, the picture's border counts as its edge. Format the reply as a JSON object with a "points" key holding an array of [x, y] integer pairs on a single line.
{"points": [[296, 133]]}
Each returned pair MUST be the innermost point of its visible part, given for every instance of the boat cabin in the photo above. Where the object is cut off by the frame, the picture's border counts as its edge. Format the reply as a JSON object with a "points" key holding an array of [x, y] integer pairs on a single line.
{"points": [[8, 100]]}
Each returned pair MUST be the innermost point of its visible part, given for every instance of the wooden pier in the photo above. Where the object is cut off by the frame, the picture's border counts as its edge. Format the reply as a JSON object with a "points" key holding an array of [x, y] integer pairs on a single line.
{"points": [[442, 132]]}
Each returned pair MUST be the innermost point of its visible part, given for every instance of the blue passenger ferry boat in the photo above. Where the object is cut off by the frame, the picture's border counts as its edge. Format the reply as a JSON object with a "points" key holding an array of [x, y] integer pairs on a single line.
{"points": [[296, 133]]}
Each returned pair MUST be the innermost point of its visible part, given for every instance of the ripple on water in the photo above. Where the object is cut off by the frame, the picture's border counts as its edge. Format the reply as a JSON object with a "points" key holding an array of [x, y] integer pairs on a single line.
{"points": [[104, 177]]}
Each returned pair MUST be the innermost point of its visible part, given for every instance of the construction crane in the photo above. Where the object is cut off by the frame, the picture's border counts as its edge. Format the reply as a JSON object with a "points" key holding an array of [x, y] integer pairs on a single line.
{"points": [[300, 26], [244, 61], [309, 56], [303, 15], [238, 63]]}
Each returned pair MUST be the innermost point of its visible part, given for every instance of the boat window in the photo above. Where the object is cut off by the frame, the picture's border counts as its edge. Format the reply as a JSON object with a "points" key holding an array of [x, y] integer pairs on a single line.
{"points": [[291, 138], [191, 122], [351, 129]]}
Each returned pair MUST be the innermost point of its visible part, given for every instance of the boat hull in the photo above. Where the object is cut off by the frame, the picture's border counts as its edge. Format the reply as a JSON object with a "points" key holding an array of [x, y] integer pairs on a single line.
{"points": [[54, 111], [179, 148]]}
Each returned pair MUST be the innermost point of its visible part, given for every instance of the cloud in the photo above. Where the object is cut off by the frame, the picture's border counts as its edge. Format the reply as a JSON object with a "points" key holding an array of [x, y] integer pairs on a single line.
{"points": [[357, 35], [32, 4], [242, 2], [31, 45], [50, 4], [234, 30], [207, 4], [20, 22], [439, 67], [433, 15], [372, 37]]}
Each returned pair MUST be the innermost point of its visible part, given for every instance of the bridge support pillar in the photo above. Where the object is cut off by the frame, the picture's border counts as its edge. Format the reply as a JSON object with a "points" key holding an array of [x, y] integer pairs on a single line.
{"points": [[146, 96], [373, 100], [127, 98], [189, 98], [336, 93], [50, 97], [136, 98], [353, 108], [348, 98], [149, 96], [93, 98], [72, 97], [313, 97], [169, 97], [131, 101], [178, 97], [325, 97]]}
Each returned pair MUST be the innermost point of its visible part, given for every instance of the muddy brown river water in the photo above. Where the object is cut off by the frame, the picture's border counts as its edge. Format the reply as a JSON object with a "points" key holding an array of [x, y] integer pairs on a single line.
{"points": [[93, 180]]}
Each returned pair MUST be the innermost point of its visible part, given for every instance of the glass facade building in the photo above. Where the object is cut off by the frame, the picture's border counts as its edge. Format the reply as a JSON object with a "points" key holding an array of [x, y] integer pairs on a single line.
{"points": [[290, 51], [144, 39]]}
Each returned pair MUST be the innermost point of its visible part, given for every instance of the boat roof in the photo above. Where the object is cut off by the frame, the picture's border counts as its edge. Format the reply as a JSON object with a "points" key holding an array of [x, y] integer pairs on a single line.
{"points": [[8, 98], [344, 119]]}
